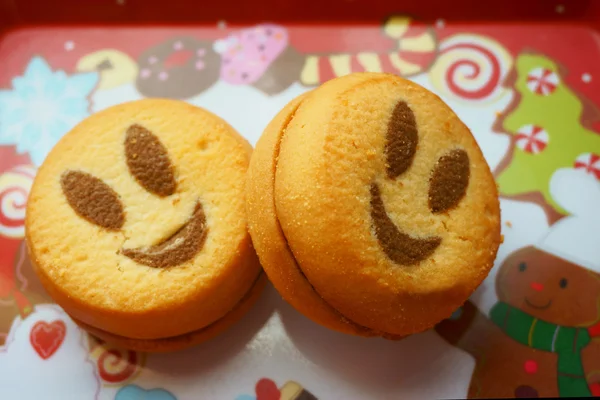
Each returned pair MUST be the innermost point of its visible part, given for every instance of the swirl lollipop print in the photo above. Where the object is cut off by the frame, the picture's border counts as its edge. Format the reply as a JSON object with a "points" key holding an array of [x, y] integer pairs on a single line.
{"points": [[115, 365], [14, 190], [471, 69]]}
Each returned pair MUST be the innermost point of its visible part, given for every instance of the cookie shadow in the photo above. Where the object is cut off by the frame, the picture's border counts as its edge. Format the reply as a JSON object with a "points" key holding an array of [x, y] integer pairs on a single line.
{"points": [[366, 362], [218, 350]]}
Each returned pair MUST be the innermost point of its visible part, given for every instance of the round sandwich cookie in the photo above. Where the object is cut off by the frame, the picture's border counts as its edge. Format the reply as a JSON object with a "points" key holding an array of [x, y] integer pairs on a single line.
{"points": [[371, 206], [136, 225]]}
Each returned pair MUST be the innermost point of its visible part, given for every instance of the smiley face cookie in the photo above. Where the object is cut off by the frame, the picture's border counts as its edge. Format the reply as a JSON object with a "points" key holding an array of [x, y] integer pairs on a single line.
{"points": [[371, 206], [137, 227]]}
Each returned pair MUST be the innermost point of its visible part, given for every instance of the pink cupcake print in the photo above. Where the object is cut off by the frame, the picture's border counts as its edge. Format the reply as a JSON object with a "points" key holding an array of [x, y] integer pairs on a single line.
{"points": [[259, 56]]}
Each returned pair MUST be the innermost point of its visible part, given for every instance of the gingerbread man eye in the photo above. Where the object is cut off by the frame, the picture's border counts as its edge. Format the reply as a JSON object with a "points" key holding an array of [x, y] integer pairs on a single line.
{"points": [[93, 200], [149, 162], [563, 283], [522, 267]]}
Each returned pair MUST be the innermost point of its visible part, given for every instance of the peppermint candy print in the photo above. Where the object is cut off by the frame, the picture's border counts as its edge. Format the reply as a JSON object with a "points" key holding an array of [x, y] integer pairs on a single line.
{"points": [[14, 191], [532, 139], [590, 163], [542, 81]]}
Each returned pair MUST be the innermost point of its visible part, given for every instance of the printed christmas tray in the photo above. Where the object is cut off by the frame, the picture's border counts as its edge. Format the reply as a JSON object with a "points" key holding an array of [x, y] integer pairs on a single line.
{"points": [[522, 75]]}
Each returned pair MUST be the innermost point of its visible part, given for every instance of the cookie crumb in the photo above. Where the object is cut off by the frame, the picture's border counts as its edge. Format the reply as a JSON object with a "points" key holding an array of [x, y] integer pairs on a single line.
{"points": [[508, 223]]}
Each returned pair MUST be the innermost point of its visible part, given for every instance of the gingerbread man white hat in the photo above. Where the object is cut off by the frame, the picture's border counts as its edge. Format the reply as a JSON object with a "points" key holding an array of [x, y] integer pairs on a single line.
{"points": [[575, 238]]}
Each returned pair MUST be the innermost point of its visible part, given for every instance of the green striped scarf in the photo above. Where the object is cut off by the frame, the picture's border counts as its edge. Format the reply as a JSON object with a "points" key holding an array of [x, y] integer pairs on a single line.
{"points": [[565, 341]]}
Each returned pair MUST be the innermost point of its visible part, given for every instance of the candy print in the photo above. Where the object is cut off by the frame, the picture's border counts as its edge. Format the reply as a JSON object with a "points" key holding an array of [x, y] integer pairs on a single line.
{"points": [[262, 57], [532, 139], [294, 391], [542, 81], [415, 51], [417, 48], [266, 389], [547, 133], [471, 68], [14, 190], [115, 365], [590, 163], [42, 106]]}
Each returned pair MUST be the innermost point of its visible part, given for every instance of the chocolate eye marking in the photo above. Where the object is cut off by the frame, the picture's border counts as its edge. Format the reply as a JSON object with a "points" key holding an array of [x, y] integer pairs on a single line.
{"points": [[401, 140], [398, 246], [93, 200], [180, 247], [449, 181], [149, 162]]}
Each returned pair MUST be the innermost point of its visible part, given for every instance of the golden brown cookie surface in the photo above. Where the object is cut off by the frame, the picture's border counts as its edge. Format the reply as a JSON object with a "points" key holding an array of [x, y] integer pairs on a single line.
{"points": [[385, 201], [137, 223], [180, 342]]}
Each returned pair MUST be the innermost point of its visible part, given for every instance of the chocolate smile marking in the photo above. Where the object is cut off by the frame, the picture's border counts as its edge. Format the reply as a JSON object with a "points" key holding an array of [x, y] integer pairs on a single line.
{"points": [[180, 247], [399, 247]]}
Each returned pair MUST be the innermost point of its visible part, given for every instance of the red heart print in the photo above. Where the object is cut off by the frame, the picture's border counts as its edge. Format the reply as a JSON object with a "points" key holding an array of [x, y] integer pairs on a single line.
{"points": [[266, 389], [46, 338]]}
